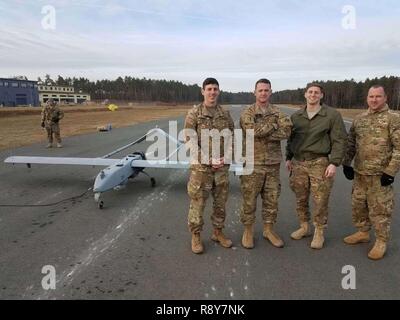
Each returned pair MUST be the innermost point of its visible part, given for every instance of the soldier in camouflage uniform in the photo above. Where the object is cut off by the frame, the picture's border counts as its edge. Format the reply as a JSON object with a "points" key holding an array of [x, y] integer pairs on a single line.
{"points": [[270, 127], [51, 115], [210, 176], [317, 146], [374, 143]]}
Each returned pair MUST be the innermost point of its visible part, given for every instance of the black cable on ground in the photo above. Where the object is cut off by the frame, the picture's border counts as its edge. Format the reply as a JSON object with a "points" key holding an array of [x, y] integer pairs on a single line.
{"points": [[48, 204]]}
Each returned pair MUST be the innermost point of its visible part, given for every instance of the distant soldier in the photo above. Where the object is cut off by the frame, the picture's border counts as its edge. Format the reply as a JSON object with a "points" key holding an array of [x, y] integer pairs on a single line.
{"points": [[51, 115], [270, 127], [314, 150], [212, 176], [374, 143]]}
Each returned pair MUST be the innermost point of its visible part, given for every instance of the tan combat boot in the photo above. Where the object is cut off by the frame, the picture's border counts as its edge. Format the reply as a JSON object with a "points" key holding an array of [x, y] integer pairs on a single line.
{"points": [[358, 237], [378, 250], [197, 246], [59, 145], [49, 145], [248, 237], [218, 236], [302, 232], [270, 234], [318, 240]]}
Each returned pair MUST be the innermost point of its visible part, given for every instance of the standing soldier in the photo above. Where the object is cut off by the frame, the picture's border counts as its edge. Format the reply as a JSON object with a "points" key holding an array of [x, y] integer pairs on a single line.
{"points": [[317, 146], [51, 115], [270, 127], [374, 143], [211, 175]]}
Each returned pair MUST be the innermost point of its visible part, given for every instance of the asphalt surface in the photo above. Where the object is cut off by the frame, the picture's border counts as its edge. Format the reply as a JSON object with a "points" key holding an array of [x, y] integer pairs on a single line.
{"points": [[138, 246]]}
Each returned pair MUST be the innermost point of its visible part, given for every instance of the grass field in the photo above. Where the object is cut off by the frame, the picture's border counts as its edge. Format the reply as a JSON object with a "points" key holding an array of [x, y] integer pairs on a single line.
{"points": [[21, 126]]}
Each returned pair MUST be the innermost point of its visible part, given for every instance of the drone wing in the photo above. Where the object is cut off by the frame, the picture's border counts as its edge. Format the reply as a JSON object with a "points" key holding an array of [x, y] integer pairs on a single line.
{"points": [[169, 164], [61, 160], [160, 164]]}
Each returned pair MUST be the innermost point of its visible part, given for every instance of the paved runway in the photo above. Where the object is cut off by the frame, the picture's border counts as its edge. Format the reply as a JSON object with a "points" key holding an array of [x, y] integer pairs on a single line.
{"points": [[138, 246]]}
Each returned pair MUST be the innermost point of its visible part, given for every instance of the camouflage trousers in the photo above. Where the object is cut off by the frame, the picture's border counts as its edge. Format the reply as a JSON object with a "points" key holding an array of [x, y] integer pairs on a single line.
{"points": [[201, 184], [53, 128], [264, 180], [308, 178], [372, 204]]}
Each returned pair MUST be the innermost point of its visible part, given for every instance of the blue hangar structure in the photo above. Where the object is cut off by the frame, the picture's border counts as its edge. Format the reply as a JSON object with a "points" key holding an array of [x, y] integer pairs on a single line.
{"points": [[17, 92]]}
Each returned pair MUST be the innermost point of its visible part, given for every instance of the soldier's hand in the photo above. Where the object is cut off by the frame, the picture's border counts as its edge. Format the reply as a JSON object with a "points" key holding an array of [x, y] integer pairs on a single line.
{"points": [[330, 171], [42, 125], [348, 172], [386, 180], [289, 165], [217, 163]]}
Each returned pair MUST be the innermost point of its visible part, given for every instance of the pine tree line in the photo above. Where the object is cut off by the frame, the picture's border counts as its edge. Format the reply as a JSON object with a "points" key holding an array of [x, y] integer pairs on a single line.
{"points": [[145, 90], [339, 94]]}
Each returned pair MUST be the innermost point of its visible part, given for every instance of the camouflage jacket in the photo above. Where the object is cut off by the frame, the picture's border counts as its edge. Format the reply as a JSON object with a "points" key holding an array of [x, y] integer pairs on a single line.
{"points": [[374, 143], [199, 118], [323, 136], [51, 114], [269, 129]]}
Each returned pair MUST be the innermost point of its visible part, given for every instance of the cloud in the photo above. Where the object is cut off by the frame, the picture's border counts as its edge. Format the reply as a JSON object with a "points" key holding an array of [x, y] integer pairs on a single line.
{"points": [[237, 52]]}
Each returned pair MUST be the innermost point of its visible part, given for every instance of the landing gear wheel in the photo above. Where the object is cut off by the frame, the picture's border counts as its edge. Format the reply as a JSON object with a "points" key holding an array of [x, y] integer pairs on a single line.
{"points": [[153, 182], [101, 204]]}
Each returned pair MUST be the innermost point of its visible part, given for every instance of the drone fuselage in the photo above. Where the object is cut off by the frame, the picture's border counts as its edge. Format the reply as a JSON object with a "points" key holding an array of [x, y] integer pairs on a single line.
{"points": [[116, 174]]}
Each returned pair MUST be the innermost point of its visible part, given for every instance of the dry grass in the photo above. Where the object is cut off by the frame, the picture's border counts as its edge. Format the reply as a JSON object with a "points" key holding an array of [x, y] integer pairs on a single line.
{"points": [[21, 126]]}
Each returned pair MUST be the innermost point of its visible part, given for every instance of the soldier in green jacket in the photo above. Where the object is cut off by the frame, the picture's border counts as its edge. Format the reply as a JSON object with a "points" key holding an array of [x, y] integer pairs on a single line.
{"points": [[315, 148], [374, 143]]}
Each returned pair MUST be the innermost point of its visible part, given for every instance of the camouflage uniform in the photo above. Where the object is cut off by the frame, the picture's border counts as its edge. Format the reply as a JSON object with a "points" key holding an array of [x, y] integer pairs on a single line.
{"points": [[51, 114], [203, 178], [374, 143], [308, 177], [313, 145], [270, 128]]}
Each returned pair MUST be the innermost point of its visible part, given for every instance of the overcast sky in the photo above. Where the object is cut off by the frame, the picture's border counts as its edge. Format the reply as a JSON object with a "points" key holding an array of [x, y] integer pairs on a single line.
{"points": [[290, 42]]}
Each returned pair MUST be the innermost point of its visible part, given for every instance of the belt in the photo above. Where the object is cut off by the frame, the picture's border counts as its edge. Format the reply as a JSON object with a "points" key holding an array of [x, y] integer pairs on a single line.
{"points": [[310, 156]]}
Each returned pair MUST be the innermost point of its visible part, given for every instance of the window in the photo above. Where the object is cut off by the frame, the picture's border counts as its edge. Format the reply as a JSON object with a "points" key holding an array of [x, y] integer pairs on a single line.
{"points": [[45, 95], [14, 84], [23, 85], [63, 89], [54, 96], [1, 83], [6, 84]]}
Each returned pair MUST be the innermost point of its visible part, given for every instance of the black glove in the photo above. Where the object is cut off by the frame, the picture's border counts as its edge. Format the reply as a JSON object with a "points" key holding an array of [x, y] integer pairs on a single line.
{"points": [[348, 172], [386, 180], [42, 124]]}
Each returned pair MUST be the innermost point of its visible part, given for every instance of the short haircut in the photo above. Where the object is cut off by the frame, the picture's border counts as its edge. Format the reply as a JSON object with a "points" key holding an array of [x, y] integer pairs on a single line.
{"points": [[263, 80], [314, 84], [377, 86], [210, 81]]}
